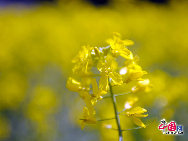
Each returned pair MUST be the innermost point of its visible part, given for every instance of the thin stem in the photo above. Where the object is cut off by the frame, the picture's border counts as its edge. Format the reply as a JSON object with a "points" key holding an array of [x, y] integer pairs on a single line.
{"points": [[116, 95], [116, 113], [105, 119], [121, 111], [101, 119], [128, 129], [122, 94]]}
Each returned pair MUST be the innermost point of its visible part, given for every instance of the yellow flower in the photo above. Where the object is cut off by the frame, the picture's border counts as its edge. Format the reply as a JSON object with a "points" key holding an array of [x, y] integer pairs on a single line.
{"points": [[82, 55], [108, 64], [83, 90], [88, 111], [142, 85], [88, 117], [118, 46], [82, 61], [116, 78], [86, 96], [97, 95], [94, 87], [108, 71], [135, 114], [133, 72], [130, 102], [103, 83], [75, 85]]}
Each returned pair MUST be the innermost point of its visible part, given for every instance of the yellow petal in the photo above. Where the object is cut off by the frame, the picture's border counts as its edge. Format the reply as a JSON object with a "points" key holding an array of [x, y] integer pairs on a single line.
{"points": [[118, 46], [142, 85], [138, 122], [141, 115], [134, 72], [130, 102], [82, 55], [103, 83], [88, 117], [125, 53], [116, 78], [136, 110], [128, 42], [73, 85], [88, 101], [144, 82]]}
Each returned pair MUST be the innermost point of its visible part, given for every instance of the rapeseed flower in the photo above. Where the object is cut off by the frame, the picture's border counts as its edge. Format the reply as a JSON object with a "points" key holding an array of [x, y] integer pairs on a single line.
{"points": [[97, 71], [142, 85], [119, 47], [88, 117], [134, 72], [137, 113]]}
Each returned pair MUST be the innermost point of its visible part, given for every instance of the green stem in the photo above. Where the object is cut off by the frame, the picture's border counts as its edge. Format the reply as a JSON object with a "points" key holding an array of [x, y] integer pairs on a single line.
{"points": [[116, 113], [116, 95], [105, 119]]}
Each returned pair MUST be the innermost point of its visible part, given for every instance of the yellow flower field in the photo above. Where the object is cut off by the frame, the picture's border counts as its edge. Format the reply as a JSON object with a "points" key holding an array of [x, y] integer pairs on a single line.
{"points": [[38, 45]]}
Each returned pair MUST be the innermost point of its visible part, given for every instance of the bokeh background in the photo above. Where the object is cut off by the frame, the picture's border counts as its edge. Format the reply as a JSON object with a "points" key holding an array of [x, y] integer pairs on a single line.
{"points": [[38, 39]]}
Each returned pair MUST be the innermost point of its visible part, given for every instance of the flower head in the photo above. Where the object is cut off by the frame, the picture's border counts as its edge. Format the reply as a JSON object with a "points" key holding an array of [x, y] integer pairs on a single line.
{"points": [[102, 62]]}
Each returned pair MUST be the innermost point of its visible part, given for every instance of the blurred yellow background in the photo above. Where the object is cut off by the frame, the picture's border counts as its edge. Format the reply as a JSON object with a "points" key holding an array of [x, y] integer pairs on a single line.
{"points": [[38, 42]]}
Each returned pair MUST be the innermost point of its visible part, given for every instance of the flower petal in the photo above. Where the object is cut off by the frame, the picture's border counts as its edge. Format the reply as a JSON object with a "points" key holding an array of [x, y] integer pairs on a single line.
{"points": [[138, 122]]}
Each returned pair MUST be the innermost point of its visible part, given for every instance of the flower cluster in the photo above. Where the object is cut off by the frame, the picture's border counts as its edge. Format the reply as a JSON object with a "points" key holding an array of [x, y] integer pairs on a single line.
{"points": [[95, 68]]}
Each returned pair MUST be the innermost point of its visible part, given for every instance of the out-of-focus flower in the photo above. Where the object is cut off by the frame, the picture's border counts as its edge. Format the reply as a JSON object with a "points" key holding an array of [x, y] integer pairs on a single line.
{"points": [[43, 104], [133, 72], [130, 102], [142, 85], [74, 85]]}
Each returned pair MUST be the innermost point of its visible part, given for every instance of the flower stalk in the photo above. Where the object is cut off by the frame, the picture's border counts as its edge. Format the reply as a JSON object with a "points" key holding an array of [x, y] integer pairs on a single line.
{"points": [[116, 112]]}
